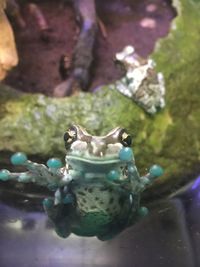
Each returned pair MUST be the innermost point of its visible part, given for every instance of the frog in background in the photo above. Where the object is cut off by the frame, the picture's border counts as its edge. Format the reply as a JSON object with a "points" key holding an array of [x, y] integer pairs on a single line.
{"points": [[97, 192], [141, 82]]}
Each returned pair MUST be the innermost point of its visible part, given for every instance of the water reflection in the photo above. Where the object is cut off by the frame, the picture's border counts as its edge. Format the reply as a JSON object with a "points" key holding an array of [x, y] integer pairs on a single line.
{"points": [[170, 235]]}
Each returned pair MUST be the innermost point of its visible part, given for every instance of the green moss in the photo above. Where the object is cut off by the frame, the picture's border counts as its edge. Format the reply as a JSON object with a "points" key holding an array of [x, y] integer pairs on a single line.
{"points": [[178, 58]]}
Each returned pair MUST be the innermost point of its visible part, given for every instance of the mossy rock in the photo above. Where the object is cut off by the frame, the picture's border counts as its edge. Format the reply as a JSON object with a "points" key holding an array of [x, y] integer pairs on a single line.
{"points": [[35, 123]]}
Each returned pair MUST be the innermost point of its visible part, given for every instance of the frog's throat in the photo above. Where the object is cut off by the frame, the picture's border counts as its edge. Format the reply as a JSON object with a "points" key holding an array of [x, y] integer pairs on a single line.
{"points": [[93, 160]]}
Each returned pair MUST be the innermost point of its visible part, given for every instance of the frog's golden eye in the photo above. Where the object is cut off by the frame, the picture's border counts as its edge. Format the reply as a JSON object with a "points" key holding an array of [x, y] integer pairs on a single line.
{"points": [[69, 137], [125, 138]]}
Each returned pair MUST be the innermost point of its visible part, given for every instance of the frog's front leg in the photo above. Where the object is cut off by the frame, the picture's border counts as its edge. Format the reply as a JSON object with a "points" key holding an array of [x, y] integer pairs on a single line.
{"points": [[52, 175], [138, 185], [58, 216], [61, 211], [154, 172], [137, 212]]}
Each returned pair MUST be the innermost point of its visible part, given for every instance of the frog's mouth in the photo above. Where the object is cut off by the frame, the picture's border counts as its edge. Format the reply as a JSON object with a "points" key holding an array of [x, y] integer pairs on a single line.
{"points": [[93, 159], [93, 163]]}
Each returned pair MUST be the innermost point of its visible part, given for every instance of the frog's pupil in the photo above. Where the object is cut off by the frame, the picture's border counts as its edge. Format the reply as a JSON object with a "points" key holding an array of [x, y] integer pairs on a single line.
{"points": [[69, 138], [126, 139], [66, 137]]}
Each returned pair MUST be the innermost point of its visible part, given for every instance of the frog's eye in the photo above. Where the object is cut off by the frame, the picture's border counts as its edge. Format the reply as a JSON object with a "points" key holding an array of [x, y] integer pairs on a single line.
{"points": [[125, 138], [69, 137]]}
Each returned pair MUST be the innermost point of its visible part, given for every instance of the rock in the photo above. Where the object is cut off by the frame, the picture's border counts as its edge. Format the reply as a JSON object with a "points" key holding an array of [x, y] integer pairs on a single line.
{"points": [[35, 124], [2, 4], [8, 53]]}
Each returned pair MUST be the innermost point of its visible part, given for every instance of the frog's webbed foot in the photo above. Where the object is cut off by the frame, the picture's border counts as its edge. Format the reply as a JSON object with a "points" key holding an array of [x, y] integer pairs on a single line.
{"points": [[61, 209], [51, 176], [55, 214], [154, 172], [138, 215], [141, 212], [138, 185], [136, 182], [61, 212]]}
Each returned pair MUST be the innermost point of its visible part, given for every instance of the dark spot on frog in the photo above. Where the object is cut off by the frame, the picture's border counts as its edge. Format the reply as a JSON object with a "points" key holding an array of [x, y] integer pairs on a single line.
{"points": [[110, 190], [121, 201], [111, 200], [103, 188], [81, 193], [93, 207], [81, 204], [96, 198], [116, 210], [90, 190], [84, 200]]}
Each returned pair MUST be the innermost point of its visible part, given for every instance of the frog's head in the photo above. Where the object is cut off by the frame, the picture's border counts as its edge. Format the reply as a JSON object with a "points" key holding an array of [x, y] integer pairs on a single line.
{"points": [[98, 154]]}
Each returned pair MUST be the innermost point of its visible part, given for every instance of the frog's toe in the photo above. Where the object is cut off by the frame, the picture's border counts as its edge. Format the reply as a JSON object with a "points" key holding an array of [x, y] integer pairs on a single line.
{"points": [[51, 210], [48, 203], [142, 212]]}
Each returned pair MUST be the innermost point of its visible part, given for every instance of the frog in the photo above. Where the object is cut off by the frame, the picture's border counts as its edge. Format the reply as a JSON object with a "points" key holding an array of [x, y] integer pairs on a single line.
{"points": [[98, 190], [141, 82]]}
